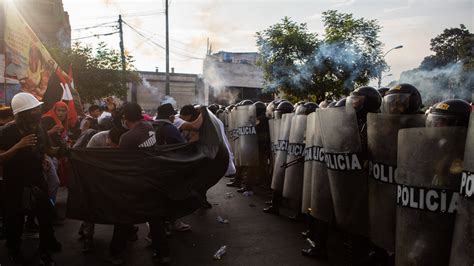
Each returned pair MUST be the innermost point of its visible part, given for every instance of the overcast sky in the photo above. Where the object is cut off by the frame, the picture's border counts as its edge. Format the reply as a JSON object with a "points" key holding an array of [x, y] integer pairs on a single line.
{"points": [[231, 26]]}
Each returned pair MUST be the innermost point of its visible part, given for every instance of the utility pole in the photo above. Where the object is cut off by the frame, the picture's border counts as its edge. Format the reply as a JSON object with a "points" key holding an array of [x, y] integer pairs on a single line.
{"points": [[167, 91], [124, 64]]}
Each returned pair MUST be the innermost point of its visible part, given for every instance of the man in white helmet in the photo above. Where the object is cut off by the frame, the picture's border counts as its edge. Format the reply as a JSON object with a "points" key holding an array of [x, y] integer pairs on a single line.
{"points": [[25, 190]]}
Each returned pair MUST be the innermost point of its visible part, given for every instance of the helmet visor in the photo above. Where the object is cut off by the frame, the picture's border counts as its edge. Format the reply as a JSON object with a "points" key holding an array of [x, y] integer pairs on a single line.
{"points": [[438, 120], [396, 103], [356, 102]]}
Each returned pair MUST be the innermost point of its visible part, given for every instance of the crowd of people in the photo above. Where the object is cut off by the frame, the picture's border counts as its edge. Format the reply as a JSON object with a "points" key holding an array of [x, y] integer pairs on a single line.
{"points": [[42, 140]]}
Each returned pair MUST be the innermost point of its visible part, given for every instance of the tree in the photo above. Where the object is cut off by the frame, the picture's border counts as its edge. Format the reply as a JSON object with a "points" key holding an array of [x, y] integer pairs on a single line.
{"points": [[302, 66], [284, 48], [97, 72], [449, 72], [451, 46]]}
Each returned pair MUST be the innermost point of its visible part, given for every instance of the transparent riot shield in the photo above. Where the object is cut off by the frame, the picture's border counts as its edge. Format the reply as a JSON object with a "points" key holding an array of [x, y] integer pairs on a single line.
{"points": [[382, 132], [428, 176], [235, 136], [248, 138], [321, 197], [347, 176], [308, 163], [462, 249], [294, 167], [282, 147]]}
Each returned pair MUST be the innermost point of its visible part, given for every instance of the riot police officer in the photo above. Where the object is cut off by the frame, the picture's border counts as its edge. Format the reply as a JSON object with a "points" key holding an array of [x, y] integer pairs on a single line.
{"points": [[281, 115], [400, 109]]}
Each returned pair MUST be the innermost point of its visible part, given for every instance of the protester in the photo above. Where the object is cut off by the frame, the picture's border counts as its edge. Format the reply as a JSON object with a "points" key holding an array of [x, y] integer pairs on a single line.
{"points": [[187, 114], [108, 110], [6, 115], [56, 123], [140, 134], [166, 132], [25, 187], [86, 231], [91, 120]]}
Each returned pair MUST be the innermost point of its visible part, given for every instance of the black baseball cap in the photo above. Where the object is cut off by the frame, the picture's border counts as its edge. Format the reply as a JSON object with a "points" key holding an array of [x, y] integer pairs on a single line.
{"points": [[165, 111]]}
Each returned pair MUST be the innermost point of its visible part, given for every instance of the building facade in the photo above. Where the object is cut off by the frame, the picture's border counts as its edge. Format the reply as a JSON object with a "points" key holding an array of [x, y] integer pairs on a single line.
{"points": [[184, 89], [232, 77]]}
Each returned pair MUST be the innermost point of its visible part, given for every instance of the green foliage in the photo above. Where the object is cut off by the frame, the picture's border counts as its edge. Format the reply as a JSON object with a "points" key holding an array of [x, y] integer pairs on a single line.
{"points": [[97, 72], [449, 72], [452, 46], [283, 48], [300, 65]]}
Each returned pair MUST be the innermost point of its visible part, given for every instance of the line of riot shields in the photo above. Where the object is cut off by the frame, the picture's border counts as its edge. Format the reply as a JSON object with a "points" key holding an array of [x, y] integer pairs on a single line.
{"points": [[401, 181]]}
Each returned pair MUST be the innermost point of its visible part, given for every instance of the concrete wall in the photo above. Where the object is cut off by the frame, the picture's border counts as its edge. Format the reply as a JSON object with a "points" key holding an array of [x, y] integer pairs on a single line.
{"points": [[230, 77], [184, 89]]}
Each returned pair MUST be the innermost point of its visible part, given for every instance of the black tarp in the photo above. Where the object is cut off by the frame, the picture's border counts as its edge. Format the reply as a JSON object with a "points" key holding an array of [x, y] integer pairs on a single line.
{"points": [[111, 186]]}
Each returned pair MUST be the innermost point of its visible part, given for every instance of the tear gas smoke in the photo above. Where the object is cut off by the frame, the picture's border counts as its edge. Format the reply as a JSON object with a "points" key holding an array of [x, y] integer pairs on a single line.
{"points": [[450, 81]]}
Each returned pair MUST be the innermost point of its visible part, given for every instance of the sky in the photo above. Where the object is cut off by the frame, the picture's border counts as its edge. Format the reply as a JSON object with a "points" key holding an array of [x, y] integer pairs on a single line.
{"points": [[230, 25]]}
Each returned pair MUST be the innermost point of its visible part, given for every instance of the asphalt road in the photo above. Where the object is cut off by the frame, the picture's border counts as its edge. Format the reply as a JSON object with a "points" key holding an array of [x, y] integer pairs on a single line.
{"points": [[251, 236]]}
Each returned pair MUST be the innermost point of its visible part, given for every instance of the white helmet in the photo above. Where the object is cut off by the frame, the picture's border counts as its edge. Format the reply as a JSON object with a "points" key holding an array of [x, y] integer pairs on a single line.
{"points": [[24, 101]]}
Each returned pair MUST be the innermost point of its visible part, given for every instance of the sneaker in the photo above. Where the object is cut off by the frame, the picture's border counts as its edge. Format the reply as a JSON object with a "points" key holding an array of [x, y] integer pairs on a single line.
{"points": [[116, 259], [178, 225]]}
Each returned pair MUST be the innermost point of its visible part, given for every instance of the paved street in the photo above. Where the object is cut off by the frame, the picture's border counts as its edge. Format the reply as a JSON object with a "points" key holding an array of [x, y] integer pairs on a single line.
{"points": [[252, 237]]}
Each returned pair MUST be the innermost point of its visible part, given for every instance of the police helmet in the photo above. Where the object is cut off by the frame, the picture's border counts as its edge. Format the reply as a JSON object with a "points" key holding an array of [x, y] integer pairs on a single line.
{"points": [[365, 99], [246, 102], [260, 108], [449, 113], [283, 108], [310, 107], [402, 99]]}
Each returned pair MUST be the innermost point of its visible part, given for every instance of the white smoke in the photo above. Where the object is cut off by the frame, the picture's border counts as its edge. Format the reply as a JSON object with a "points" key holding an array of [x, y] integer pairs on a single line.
{"points": [[168, 99], [450, 81], [155, 91], [158, 95], [216, 80]]}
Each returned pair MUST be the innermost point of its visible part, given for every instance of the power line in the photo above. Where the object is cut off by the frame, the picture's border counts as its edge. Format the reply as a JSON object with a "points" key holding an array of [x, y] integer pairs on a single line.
{"points": [[148, 39], [96, 35], [159, 35], [106, 24]]}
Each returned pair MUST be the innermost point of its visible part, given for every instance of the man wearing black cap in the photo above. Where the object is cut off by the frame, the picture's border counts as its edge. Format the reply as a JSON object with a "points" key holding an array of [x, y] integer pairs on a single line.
{"points": [[166, 132]]}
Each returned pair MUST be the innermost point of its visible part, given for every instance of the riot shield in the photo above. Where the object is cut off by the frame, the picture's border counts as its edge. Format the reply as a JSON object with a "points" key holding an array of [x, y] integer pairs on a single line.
{"points": [[281, 151], [347, 177], [294, 167], [462, 249], [235, 136], [276, 135], [271, 126], [308, 163], [428, 176], [321, 197], [248, 139], [382, 132]]}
